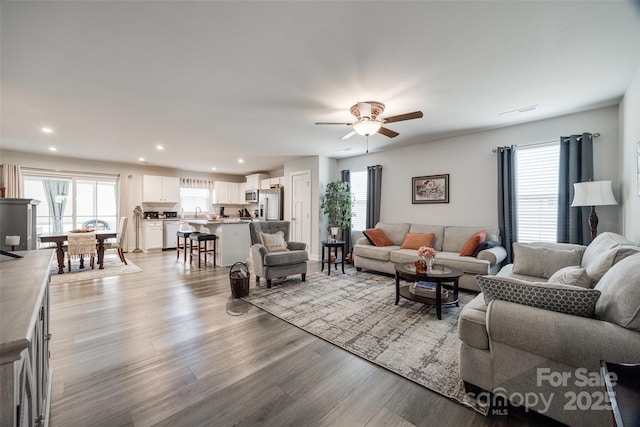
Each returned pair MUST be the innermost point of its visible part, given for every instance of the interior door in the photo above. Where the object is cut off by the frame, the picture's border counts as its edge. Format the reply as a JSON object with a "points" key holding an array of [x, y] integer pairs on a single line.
{"points": [[300, 207]]}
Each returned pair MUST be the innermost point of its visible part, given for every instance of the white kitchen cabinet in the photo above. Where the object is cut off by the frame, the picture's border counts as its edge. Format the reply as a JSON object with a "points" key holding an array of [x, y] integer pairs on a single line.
{"points": [[279, 180], [254, 181], [242, 187], [220, 194], [234, 198], [152, 235], [227, 193], [164, 189], [272, 182]]}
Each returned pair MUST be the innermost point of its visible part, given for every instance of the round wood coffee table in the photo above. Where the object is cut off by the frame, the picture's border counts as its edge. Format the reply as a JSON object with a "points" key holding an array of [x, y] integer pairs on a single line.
{"points": [[438, 274]]}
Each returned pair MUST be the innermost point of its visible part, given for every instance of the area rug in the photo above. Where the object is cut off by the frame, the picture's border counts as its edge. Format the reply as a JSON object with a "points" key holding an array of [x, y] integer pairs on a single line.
{"points": [[112, 267], [356, 312]]}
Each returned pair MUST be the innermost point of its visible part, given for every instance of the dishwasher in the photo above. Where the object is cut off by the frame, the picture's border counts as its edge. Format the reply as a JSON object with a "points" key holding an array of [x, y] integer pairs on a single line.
{"points": [[170, 230]]}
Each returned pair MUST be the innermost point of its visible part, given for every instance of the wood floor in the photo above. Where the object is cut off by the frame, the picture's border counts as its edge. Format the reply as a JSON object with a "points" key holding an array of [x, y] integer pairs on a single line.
{"points": [[171, 347]]}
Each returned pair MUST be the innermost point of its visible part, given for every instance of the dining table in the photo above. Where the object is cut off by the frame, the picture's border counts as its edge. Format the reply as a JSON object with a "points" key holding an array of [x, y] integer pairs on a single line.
{"points": [[60, 238]]}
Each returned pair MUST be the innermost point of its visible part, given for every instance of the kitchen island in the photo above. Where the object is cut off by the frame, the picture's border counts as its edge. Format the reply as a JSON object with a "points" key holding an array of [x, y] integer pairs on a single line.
{"points": [[233, 238]]}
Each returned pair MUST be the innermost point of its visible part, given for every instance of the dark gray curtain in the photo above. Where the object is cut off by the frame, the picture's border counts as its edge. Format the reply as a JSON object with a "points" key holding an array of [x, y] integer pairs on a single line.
{"points": [[346, 233], [507, 217], [56, 192], [374, 194], [576, 165]]}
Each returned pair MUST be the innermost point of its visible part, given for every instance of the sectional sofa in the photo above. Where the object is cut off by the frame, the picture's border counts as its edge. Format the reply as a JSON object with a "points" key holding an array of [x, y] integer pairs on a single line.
{"points": [[540, 329], [448, 242]]}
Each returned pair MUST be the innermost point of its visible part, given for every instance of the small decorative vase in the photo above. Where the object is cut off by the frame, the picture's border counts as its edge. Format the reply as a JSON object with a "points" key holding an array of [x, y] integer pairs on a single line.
{"points": [[428, 262]]}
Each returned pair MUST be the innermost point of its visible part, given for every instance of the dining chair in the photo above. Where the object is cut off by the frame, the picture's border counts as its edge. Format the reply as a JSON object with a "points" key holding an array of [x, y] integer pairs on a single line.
{"points": [[120, 240], [79, 245]]}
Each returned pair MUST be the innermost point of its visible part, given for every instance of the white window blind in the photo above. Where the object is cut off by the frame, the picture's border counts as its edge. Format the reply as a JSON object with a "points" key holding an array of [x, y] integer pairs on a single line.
{"points": [[537, 187], [190, 198], [194, 193], [359, 191]]}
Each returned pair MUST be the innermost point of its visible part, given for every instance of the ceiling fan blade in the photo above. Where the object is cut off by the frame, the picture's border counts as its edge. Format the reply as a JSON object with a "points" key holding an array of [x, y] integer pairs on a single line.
{"points": [[332, 123], [365, 109], [349, 135], [388, 132], [401, 117]]}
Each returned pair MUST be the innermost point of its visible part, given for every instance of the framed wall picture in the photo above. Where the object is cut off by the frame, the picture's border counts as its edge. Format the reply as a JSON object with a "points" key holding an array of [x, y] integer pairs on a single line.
{"points": [[430, 189]]}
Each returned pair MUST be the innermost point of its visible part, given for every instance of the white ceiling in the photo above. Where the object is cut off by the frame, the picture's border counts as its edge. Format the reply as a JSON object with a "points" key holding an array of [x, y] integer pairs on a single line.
{"points": [[217, 81]]}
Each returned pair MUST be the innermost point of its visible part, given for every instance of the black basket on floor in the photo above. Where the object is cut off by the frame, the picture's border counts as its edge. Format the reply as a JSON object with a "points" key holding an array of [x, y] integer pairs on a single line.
{"points": [[239, 280]]}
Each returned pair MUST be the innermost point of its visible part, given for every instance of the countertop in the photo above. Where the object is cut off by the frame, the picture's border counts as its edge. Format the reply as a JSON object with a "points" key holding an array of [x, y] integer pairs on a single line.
{"points": [[204, 221], [24, 282]]}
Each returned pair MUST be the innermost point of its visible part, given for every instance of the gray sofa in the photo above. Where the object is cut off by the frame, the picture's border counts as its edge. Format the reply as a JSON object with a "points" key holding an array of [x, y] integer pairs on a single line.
{"points": [[448, 242], [518, 350]]}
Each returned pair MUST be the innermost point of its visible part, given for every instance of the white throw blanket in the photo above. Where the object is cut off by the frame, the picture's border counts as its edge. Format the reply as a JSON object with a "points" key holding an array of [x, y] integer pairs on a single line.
{"points": [[81, 244]]}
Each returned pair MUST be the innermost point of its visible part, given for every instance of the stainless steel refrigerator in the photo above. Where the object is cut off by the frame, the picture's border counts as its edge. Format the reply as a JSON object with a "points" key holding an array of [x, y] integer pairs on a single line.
{"points": [[270, 204]]}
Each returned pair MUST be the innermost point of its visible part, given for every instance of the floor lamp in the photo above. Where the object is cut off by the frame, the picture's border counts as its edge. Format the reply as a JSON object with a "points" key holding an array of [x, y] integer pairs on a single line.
{"points": [[593, 193]]}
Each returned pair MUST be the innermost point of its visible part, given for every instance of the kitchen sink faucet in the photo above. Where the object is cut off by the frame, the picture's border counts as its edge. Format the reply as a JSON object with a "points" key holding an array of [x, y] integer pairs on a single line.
{"points": [[197, 209]]}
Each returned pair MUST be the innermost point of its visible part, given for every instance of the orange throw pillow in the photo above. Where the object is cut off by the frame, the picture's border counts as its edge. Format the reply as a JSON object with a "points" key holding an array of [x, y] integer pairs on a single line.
{"points": [[415, 240], [473, 242], [377, 237]]}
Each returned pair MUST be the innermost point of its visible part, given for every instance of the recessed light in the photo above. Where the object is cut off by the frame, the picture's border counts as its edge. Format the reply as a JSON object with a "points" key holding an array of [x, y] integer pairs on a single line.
{"points": [[213, 169], [53, 149], [141, 159], [46, 129], [240, 160], [159, 147], [520, 110]]}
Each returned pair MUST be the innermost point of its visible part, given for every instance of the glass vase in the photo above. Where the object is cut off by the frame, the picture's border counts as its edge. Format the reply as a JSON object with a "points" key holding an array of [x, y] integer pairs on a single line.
{"points": [[428, 262]]}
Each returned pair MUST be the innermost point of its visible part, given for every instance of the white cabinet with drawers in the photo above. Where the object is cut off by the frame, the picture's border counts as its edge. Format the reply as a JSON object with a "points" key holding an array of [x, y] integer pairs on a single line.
{"points": [[152, 235]]}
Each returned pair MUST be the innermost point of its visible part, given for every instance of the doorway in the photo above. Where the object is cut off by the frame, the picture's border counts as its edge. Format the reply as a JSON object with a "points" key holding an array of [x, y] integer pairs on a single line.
{"points": [[300, 207]]}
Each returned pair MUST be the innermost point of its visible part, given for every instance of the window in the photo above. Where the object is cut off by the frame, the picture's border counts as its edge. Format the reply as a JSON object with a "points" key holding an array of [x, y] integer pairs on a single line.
{"points": [[537, 187], [72, 201], [190, 198], [359, 192]]}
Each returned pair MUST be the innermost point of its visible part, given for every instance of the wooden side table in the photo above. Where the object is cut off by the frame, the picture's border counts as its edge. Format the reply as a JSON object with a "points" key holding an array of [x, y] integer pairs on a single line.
{"points": [[438, 274], [335, 245]]}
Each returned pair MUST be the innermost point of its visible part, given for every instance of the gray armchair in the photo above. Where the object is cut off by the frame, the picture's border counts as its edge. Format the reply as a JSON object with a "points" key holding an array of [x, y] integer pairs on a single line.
{"points": [[276, 263]]}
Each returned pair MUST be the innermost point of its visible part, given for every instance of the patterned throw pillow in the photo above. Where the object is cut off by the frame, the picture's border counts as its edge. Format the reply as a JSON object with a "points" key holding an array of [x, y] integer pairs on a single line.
{"points": [[473, 242], [561, 298], [573, 275], [274, 242]]}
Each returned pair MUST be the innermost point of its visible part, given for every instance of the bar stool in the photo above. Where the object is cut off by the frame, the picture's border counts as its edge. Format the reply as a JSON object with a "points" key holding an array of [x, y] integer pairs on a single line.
{"points": [[202, 248], [184, 231], [184, 234]]}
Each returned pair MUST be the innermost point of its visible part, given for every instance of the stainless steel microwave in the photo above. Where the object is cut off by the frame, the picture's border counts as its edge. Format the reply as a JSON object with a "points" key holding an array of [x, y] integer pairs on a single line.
{"points": [[251, 196]]}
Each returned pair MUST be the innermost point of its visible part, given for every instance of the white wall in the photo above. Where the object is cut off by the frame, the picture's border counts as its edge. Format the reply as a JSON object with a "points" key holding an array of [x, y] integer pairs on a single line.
{"points": [[629, 166], [472, 167]]}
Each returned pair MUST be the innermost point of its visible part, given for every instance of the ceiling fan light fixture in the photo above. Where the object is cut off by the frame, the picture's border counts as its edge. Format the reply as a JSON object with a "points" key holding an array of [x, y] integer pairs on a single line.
{"points": [[367, 127]]}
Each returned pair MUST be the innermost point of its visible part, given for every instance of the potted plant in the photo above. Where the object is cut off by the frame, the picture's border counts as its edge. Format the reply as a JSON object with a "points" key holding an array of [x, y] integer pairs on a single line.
{"points": [[336, 204]]}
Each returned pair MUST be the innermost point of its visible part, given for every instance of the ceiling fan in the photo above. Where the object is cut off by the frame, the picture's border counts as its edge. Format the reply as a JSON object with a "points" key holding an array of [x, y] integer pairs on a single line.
{"points": [[369, 122]]}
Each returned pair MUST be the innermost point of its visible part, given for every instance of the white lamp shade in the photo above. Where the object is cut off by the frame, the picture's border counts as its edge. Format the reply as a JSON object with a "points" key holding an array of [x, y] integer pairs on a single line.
{"points": [[12, 240], [593, 193], [367, 127]]}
